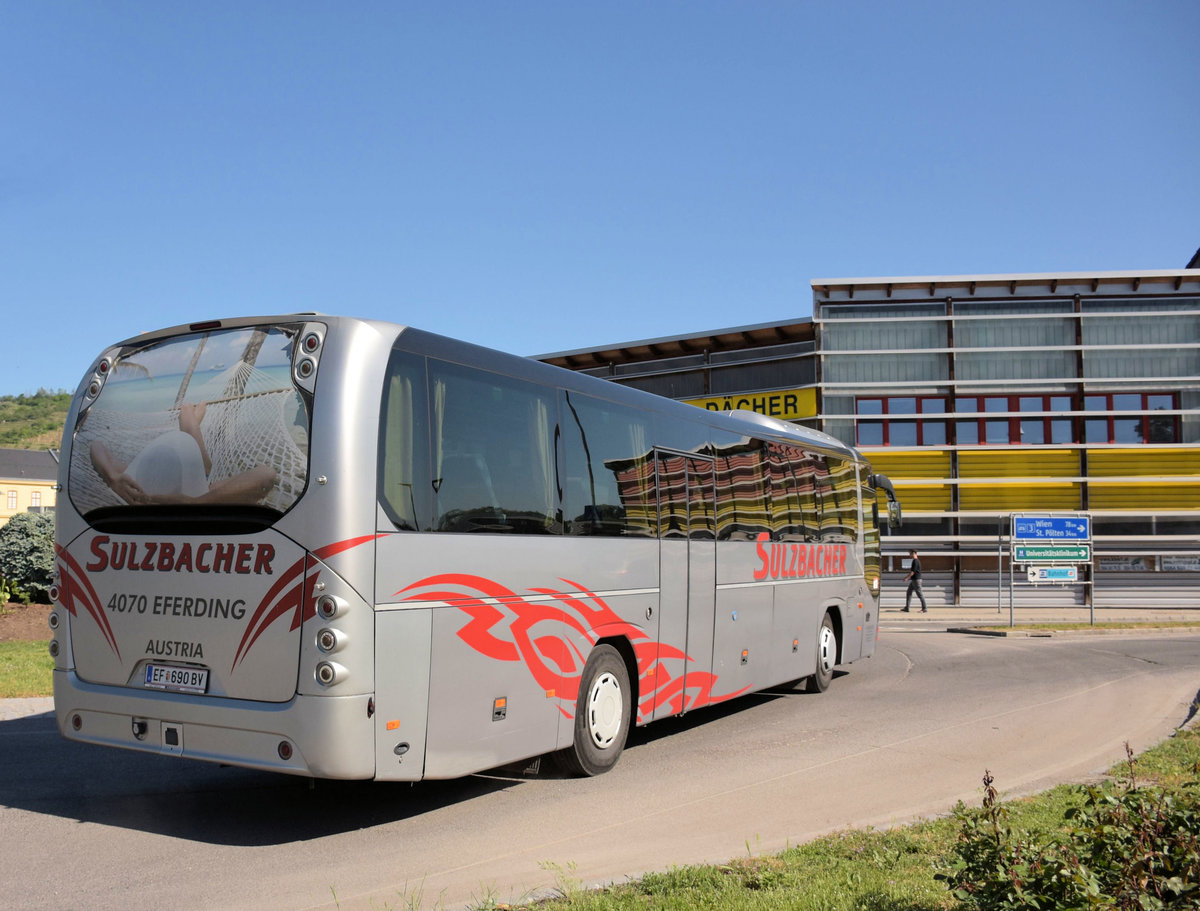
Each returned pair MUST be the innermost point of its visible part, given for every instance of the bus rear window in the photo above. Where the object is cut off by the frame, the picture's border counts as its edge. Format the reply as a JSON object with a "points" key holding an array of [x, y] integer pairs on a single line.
{"points": [[206, 419]]}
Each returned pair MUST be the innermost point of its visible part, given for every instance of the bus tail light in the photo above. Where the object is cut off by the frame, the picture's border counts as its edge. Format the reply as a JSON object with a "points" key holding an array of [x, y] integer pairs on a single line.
{"points": [[330, 640], [330, 673], [54, 648], [330, 606]]}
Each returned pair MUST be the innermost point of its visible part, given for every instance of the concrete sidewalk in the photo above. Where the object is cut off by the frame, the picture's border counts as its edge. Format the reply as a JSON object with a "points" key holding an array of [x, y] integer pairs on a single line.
{"points": [[11, 709], [989, 616]]}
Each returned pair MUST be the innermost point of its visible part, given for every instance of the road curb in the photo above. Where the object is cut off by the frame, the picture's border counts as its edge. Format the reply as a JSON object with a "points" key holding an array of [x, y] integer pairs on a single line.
{"points": [[1018, 633], [22, 707]]}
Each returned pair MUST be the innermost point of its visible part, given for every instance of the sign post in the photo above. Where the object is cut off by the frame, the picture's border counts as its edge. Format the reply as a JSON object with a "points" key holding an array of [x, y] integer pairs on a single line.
{"points": [[1051, 547]]}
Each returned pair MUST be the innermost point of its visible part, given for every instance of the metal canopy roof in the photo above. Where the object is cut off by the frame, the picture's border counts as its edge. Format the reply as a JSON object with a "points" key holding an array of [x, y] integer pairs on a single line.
{"points": [[737, 338], [1028, 283], [761, 335]]}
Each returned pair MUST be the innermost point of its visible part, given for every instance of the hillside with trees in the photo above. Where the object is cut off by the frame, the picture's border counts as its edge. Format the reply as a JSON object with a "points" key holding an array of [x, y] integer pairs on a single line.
{"points": [[33, 421]]}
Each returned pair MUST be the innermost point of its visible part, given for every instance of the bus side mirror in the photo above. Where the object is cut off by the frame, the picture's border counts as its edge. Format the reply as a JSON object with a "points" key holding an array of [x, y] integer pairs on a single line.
{"points": [[882, 482]]}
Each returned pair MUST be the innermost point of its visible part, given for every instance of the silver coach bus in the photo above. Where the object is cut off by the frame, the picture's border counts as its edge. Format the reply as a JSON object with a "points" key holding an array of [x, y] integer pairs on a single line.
{"points": [[350, 549]]}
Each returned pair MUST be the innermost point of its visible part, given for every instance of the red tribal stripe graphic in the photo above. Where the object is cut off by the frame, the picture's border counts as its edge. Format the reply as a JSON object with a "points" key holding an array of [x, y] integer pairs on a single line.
{"points": [[75, 590], [293, 593], [551, 634]]}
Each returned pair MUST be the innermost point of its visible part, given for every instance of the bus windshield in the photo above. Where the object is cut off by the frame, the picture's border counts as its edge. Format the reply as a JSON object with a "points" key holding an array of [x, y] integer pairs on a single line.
{"points": [[205, 418]]}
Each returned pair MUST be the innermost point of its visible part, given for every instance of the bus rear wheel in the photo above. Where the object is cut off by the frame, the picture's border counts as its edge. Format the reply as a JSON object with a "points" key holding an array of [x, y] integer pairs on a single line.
{"points": [[827, 647], [602, 713]]}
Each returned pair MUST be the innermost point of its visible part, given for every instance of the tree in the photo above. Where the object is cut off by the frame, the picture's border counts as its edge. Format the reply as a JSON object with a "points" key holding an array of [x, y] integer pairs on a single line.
{"points": [[27, 553]]}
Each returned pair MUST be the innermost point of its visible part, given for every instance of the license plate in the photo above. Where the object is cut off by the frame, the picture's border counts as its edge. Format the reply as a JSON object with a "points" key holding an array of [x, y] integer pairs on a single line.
{"points": [[178, 679]]}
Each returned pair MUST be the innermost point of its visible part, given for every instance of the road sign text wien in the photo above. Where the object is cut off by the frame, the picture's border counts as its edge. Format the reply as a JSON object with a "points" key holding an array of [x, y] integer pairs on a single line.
{"points": [[1052, 528]]}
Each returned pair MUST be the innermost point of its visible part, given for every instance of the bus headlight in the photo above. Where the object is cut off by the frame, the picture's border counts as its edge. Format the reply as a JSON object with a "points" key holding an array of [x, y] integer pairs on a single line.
{"points": [[330, 673]]}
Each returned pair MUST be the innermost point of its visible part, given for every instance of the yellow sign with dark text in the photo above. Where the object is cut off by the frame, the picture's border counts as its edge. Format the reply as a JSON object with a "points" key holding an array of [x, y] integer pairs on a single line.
{"points": [[785, 404]]}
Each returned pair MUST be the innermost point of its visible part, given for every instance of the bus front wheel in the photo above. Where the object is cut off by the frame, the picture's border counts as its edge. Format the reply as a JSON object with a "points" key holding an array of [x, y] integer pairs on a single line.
{"points": [[827, 647], [602, 713]]}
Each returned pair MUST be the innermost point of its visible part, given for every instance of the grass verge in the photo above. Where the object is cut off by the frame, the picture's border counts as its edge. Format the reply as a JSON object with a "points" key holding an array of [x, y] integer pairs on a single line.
{"points": [[25, 669], [857, 870]]}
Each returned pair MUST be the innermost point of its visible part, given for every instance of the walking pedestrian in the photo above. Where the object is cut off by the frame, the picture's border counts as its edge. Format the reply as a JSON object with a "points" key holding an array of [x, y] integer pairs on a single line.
{"points": [[914, 583]]}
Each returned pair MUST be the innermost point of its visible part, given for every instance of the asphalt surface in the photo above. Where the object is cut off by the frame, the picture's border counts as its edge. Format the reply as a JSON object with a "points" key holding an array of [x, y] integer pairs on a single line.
{"points": [[903, 735]]}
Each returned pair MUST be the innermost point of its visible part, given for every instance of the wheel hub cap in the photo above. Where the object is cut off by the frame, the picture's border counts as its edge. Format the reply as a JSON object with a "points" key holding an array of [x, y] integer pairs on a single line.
{"points": [[605, 710]]}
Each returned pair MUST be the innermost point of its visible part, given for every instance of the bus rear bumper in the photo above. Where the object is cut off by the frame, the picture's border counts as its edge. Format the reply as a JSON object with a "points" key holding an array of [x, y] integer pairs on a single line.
{"points": [[316, 736]]}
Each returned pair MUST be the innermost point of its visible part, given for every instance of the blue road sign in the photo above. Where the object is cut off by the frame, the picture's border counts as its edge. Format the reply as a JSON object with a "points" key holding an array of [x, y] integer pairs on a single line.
{"points": [[1052, 528], [1053, 574]]}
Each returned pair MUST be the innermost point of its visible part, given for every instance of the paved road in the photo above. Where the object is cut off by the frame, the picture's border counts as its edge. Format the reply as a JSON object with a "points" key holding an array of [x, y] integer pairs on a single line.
{"points": [[902, 735]]}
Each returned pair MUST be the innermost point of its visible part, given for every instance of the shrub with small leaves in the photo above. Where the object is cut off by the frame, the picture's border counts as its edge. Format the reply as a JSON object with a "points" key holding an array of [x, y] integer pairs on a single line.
{"points": [[27, 554], [10, 591], [1131, 847]]}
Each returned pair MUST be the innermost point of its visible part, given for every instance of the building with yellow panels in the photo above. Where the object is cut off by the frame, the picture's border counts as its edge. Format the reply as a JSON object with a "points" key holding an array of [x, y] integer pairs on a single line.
{"points": [[982, 397], [28, 482]]}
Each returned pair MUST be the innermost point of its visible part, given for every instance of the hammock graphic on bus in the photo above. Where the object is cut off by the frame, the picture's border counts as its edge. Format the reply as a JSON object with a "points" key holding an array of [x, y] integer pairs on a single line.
{"points": [[250, 420]]}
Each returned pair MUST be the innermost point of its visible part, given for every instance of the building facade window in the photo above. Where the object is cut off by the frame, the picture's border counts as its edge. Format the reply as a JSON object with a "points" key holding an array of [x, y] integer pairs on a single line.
{"points": [[1130, 418], [12, 499], [35, 499], [901, 421], [1034, 420], [1126, 418]]}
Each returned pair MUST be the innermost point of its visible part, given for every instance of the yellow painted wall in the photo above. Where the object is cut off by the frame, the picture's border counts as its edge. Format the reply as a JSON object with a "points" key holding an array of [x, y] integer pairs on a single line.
{"points": [[1144, 462], [1181, 466], [24, 489], [1019, 463], [1031, 470], [913, 471], [1008, 480], [1019, 496]]}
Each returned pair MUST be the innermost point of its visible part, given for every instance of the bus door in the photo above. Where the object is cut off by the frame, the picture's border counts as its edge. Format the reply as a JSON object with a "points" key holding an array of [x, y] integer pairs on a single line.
{"points": [[687, 580]]}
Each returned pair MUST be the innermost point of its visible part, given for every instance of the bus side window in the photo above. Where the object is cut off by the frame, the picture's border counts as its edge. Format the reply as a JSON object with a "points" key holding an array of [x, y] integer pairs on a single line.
{"points": [[672, 496], [826, 506], [841, 502], [609, 486], [793, 494], [492, 452], [404, 488], [743, 499]]}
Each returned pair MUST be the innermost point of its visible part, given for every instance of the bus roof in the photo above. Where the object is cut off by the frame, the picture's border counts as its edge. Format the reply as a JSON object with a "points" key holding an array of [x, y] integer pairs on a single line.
{"points": [[420, 341]]}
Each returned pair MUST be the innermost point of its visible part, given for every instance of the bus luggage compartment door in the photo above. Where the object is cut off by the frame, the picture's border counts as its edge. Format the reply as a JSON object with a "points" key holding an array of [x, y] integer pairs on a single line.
{"points": [[402, 647]]}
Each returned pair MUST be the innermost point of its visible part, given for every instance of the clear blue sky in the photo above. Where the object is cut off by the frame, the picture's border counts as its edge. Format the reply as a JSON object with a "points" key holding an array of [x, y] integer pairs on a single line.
{"points": [[541, 176]]}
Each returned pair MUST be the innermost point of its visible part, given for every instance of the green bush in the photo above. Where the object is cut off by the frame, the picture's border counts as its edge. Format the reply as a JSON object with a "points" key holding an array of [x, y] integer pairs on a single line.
{"points": [[1126, 847], [11, 592], [27, 554]]}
